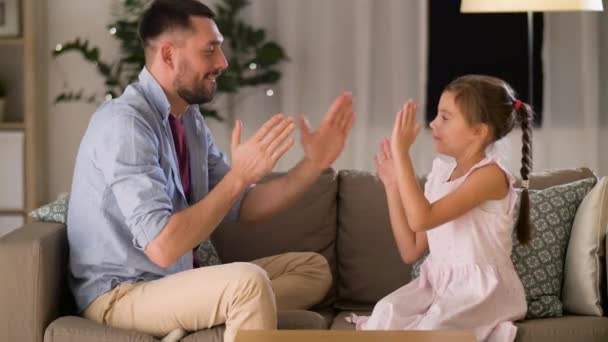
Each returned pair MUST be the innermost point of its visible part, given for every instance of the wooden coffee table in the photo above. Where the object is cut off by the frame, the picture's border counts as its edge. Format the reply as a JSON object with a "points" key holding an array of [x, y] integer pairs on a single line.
{"points": [[353, 336]]}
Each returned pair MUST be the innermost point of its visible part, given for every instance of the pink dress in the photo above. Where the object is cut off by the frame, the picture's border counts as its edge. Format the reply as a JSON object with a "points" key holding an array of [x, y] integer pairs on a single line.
{"points": [[468, 281]]}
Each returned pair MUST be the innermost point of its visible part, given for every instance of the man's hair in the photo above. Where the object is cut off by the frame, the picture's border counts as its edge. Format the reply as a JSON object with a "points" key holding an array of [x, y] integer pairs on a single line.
{"points": [[165, 15]]}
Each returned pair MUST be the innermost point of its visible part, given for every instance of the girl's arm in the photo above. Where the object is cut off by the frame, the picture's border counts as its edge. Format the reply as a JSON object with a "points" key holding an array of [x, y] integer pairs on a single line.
{"points": [[411, 245], [485, 183], [488, 182]]}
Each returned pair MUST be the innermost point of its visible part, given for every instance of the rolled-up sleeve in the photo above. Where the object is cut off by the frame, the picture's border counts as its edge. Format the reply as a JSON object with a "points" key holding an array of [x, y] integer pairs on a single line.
{"points": [[218, 168], [129, 162]]}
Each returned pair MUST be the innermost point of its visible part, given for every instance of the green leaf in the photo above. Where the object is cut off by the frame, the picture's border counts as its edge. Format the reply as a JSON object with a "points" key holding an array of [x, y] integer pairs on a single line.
{"points": [[71, 96], [270, 54]]}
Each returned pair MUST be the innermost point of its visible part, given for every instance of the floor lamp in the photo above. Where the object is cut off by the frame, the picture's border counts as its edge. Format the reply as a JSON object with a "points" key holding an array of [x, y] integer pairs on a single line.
{"points": [[529, 6]]}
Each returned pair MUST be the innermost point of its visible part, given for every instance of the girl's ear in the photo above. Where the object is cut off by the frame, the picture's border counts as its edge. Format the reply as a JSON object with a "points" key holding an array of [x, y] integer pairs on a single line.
{"points": [[483, 131]]}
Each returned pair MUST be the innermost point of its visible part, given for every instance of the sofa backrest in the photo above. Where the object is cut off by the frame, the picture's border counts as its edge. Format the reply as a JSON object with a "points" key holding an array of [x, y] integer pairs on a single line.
{"points": [[344, 217], [369, 263], [309, 226]]}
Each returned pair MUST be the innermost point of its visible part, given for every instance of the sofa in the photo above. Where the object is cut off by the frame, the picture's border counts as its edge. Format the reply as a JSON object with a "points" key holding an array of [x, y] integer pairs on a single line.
{"points": [[343, 216]]}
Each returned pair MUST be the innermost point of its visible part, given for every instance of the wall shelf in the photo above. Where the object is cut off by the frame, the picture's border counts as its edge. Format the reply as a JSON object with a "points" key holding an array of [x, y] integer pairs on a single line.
{"points": [[11, 41], [12, 126], [23, 66], [12, 212]]}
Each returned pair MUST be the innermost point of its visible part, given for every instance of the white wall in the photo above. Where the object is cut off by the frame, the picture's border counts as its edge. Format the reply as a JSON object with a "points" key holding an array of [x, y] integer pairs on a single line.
{"points": [[567, 143], [67, 20]]}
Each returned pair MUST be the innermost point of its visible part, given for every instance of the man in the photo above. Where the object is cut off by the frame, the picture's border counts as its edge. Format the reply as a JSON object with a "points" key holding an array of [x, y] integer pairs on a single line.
{"points": [[150, 185]]}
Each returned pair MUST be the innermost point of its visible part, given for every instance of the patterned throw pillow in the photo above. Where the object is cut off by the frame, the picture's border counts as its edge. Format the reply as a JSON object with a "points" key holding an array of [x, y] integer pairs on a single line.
{"points": [[415, 272], [206, 255], [55, 212], [540, 263]]}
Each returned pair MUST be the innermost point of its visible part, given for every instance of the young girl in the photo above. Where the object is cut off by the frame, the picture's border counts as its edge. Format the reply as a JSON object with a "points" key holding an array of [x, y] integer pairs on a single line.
{"points": [[464, 216]]}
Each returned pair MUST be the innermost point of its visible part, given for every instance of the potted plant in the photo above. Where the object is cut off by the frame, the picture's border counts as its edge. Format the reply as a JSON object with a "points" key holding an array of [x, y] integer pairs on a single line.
{"points": [[253, 59], [2, 100]]}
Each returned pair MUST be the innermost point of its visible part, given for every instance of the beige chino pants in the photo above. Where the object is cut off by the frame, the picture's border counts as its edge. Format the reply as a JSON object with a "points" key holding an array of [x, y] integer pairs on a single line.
{"points": [[244, 296]]}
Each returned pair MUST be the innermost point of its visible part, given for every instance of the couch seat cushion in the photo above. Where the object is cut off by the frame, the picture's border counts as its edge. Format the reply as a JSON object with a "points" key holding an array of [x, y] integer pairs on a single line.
{"points": [[287, 320], [340, 322], [78, 329], [564, 329]]}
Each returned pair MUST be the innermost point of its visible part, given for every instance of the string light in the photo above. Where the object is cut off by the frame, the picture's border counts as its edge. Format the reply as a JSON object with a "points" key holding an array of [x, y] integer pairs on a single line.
{"points": [[113, 31], [58, 47], [108, 97], [269, 92], [253, 66]]}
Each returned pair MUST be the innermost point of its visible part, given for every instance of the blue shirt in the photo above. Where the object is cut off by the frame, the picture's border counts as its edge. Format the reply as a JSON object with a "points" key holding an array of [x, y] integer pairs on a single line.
{"points": [[127, 184]]}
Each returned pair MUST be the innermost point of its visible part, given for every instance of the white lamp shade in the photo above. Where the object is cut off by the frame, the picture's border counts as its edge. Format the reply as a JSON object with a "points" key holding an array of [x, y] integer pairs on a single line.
{"points": [[492, 6]]}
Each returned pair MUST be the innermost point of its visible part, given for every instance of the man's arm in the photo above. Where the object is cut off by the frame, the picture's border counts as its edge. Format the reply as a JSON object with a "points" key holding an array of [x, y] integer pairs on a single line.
{"points": [[251, 160], [267, 199], [189, 227], [321, 148]]}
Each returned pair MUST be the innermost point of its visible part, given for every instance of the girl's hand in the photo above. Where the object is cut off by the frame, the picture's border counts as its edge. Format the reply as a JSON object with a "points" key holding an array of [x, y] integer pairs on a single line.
{"points": [[385, 167], [406, 129]]}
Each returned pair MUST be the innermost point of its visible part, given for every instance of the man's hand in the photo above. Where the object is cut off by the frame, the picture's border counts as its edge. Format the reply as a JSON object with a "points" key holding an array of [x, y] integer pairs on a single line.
{"points": [[323, 146], [258, 156]]}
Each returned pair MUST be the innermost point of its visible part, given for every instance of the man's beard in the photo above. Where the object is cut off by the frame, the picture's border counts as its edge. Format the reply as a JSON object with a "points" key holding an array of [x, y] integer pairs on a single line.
{"points": [[197, 93]]}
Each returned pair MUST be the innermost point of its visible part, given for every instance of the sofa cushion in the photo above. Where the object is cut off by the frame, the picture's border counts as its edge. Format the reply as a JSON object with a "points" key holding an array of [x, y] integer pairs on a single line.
{"points": [[78, 329], [369, 263], [563, 329], [547, 179], [308, 226], [584, 269], [340, 322], [540, 263], [328, 314], [286, 320]]}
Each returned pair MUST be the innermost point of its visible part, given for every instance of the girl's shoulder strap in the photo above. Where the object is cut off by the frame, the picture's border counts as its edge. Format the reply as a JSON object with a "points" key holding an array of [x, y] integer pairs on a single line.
{"points": [[488, 160]]}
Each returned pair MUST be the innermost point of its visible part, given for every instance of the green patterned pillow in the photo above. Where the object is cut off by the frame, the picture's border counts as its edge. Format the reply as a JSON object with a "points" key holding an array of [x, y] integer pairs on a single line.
{"points": [[206, 255], [56, 211], [415, 271], [540, 263]]}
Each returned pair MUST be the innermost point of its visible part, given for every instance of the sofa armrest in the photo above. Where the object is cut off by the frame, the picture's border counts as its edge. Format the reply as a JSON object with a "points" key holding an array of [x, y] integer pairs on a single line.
{"points": [[33, 289]]}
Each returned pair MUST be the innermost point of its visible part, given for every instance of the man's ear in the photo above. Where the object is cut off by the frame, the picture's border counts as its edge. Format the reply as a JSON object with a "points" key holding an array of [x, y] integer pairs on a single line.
{"points": [[167, 54]]}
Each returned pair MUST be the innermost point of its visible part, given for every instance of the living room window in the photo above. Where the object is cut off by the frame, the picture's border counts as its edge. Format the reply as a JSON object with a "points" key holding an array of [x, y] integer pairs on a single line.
{"points": [[489, 43]]}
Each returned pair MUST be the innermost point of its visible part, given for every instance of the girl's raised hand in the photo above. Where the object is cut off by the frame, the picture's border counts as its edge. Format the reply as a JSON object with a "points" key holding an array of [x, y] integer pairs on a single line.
{"points": [[406, 129], [385, 167]]}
